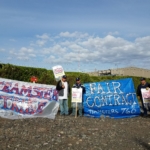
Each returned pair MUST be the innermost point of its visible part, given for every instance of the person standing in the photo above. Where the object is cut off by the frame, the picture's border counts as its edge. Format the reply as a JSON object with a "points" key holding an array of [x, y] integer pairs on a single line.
{"points": [[143, 85], [80, 105], [63, 89]]}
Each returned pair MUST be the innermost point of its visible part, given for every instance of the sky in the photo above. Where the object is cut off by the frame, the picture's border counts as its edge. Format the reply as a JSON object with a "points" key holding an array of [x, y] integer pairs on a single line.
{"points": [[79, 35]]}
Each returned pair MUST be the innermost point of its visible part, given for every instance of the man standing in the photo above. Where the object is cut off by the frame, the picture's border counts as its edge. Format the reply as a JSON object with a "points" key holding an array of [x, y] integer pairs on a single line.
{"points": [[78, 85], [142, 85], [63, 91]]}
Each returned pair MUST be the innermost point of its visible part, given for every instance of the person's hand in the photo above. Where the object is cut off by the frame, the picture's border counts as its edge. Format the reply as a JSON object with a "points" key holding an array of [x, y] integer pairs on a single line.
{"points": [[63, 86], [147, 88]]}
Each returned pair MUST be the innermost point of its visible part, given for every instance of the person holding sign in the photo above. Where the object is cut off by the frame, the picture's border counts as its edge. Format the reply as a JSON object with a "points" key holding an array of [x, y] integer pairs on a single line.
{"points": [[142, 85], [76, 93], [63, 89]]}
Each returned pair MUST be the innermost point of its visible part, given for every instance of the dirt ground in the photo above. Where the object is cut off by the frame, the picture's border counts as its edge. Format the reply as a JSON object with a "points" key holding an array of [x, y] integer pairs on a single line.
{"points": [[70, 133]]}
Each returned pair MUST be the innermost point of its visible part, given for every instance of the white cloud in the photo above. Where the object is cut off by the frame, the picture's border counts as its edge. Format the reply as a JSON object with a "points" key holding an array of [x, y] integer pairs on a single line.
{"points": [[56, 49], [45, 36], [89, 50], [109, 49], [32, 55], [143, 41], [53, 59], [22, 54], [2, 50], [42, 40], [75, 47], [73, 35], [26, 50], [23, 57]]}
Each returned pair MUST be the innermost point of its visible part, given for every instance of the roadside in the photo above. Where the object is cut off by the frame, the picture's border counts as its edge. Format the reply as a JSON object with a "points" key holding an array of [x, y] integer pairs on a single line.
{"points": [[70, 133]]}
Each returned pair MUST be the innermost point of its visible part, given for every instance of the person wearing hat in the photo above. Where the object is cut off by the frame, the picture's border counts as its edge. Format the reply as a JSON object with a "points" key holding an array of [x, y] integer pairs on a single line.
{"points": [[78, 85], [63, 89], [143, 85]]}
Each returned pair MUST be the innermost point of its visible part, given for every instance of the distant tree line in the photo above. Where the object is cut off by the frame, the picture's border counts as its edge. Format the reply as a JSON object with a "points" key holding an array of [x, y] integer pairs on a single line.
{"points": [[22, 73]]}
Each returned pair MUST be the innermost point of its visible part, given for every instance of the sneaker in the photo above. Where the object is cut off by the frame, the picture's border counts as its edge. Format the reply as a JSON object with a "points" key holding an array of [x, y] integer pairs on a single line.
{"points": [[66, 115]]}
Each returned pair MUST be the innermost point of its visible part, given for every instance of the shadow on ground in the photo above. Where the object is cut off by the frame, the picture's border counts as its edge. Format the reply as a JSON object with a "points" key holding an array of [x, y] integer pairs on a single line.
{"points": [[145, 145]]}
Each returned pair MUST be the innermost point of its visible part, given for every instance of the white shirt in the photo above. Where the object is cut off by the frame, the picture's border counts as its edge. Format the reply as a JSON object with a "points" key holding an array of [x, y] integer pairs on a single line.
{"points": [[65, 96]]}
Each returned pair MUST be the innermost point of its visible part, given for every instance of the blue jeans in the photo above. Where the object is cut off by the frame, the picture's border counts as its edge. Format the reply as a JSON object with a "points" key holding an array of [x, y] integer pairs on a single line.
{"points": [[144, 109], [79, 105], [63, 106]]}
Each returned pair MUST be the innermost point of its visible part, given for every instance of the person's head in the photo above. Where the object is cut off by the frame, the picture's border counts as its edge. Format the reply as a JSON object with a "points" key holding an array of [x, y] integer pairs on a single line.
{"points": [[64, 78], [143, 81], [78, 80]]}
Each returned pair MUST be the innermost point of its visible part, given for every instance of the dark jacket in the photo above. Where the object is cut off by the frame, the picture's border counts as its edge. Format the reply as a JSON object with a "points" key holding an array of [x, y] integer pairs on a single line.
{"points": [[140, 86], [79, 86], [60, 89]]}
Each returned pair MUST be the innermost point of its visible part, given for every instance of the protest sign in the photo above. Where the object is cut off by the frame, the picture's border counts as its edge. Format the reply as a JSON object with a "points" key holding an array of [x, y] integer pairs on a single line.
{"points": [[58, 72], [112, 98], [27, 100], [77, 95], [145, 95]]}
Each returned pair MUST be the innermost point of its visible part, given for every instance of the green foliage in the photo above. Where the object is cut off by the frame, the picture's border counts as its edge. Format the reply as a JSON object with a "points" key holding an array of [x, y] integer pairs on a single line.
{"points": [[45, 76]]}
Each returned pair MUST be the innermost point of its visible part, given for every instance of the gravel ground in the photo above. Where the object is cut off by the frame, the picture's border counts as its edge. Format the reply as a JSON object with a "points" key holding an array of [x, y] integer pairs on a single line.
{"points": [[70, 133]]}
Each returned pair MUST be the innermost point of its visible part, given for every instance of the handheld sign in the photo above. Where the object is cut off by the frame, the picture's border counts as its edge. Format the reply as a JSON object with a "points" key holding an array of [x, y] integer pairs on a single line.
{"points": [[145, 95], [76, 97], [58, 72]]}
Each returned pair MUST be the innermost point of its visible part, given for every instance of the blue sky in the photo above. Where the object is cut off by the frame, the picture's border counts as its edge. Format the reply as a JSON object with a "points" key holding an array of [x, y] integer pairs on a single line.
{"points": [[80, 35]]}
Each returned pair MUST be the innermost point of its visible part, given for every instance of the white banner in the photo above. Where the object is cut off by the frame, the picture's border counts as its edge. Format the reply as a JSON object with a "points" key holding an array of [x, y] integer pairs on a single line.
{"points": [[77, 95], [27, 100]]}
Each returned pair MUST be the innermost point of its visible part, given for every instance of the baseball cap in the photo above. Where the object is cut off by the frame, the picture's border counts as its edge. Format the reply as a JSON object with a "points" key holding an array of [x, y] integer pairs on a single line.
{"points": [[64, 76], [141, 79], [77, 79]]}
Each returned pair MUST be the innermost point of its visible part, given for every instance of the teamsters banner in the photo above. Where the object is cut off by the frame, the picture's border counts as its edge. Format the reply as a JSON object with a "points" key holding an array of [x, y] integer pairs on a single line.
{"points": [[27, 100], [113, 98]]}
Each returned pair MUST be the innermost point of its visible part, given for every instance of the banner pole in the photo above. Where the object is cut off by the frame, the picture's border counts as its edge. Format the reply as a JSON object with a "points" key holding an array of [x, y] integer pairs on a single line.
{"points": [[76, 111]]}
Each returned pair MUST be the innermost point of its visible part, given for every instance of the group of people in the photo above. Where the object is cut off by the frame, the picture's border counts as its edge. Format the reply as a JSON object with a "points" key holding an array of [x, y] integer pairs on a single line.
{"points": [[63, 89]]}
